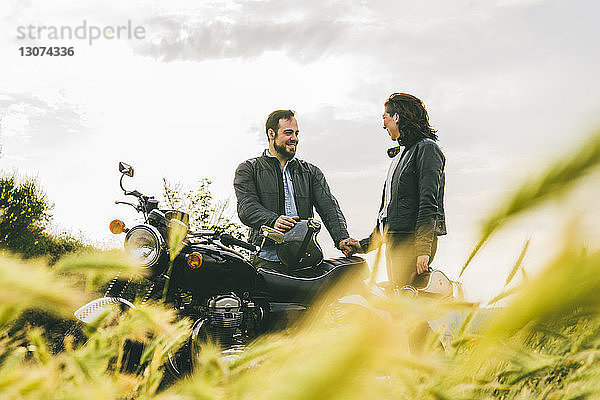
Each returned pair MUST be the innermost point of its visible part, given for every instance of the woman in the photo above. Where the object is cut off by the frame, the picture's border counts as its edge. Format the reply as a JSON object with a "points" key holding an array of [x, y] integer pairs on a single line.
{"points": [[411, 215]]}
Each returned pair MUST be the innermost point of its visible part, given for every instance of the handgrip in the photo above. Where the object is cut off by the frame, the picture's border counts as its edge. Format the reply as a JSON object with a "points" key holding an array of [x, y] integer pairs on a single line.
{"points": [[133, 193], [229, 240]]}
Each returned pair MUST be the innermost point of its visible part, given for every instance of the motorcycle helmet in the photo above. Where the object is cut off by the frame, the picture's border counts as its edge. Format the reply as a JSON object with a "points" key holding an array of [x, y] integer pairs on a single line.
{"points": [[433, 283]]}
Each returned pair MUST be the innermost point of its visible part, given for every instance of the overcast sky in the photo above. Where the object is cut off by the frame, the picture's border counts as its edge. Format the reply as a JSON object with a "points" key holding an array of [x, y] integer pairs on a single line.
{"points": [[509, 84]]}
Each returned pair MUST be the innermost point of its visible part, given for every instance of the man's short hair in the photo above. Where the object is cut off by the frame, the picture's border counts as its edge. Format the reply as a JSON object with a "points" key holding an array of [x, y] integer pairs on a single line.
{"points": [[273, 120]]}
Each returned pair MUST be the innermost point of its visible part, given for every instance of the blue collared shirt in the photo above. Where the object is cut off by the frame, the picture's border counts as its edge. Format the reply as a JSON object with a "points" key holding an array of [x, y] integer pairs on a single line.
{"points": [[269, 252]]}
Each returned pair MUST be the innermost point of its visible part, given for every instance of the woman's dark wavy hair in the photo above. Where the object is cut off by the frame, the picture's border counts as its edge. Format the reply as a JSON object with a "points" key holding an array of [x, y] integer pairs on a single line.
{"points": [[413, 123]]}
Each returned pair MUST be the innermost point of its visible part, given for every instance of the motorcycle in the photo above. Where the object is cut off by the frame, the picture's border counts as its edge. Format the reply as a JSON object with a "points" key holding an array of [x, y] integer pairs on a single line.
{"points": [[216, 286]]}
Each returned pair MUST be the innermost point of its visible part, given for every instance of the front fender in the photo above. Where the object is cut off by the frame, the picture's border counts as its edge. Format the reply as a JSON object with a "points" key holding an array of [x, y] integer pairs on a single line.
{"points": [[92, 310]]}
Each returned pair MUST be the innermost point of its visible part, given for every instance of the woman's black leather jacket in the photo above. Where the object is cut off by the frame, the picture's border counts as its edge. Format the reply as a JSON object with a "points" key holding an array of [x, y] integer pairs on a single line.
{"points": [[416, 204]]}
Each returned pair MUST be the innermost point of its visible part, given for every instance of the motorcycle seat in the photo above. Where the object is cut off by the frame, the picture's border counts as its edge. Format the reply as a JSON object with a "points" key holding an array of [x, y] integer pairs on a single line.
{"points": [[307, 283]]}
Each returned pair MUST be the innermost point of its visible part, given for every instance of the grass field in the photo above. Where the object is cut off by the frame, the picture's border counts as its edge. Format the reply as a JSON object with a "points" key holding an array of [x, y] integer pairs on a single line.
{"points": [[543, 343]]}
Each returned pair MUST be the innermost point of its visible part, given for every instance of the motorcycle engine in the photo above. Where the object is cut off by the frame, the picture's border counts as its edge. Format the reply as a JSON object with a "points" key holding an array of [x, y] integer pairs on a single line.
{"points": [[224, 317]]}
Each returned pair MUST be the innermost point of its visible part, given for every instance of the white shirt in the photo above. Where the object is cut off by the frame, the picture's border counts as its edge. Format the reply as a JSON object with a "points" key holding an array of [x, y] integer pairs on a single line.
{"points": [[388, 188]]}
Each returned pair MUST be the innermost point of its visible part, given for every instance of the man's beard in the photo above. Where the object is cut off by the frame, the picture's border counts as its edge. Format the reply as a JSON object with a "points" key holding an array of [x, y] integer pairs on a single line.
{"points": [[283, 150]]}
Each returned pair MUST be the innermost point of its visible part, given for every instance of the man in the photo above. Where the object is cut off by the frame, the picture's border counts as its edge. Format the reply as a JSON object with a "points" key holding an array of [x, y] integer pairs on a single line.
{"points": [[277, 190], [411, 215]]}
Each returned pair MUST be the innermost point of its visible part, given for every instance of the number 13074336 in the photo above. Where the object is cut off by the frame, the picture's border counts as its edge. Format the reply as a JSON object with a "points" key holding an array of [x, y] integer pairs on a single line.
{"points": [[46, 51]]}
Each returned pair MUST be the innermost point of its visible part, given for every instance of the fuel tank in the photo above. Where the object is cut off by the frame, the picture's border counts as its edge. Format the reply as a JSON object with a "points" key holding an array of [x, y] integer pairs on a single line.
{"points": [[220, 271]]}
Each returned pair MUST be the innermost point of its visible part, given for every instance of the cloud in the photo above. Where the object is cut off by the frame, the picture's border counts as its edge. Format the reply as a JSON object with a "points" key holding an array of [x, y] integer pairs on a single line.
{"points": [[303, 31], [32, 121], [13, 9], [468, 60], [400, 33], [343, 143]]}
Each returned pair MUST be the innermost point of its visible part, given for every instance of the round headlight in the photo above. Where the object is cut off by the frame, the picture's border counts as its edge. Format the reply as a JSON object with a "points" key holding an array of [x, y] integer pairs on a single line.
{"points": [[145, 244]]}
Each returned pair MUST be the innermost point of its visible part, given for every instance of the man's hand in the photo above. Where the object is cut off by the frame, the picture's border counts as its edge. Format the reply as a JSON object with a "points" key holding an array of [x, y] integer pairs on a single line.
{"points": [[349, 246], [284, 223], [422, 264]]}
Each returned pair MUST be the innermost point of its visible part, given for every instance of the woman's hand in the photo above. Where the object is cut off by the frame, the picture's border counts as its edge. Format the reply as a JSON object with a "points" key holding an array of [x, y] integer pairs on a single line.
{"points": [[422, 264], [349, 246]]}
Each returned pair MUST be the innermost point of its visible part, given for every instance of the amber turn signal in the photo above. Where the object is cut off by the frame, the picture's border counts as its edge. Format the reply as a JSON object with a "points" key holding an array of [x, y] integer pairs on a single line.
{"points": [[117, 226], [194, 260]]}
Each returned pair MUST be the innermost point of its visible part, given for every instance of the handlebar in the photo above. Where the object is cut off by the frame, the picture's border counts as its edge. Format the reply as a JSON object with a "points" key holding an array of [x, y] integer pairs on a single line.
{"points": [[133, 193], [127, 203], [146, 203], [201, 233], [229, 240]]}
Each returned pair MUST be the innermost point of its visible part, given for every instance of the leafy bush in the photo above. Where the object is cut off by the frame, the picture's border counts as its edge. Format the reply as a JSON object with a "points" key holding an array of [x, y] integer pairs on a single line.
{"points": [[24, 217], [204, 211], [24, 213]]}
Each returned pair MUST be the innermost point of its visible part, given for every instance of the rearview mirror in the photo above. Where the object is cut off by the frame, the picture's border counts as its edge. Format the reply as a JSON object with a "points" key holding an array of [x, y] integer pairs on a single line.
{"points": [[125, 169]]}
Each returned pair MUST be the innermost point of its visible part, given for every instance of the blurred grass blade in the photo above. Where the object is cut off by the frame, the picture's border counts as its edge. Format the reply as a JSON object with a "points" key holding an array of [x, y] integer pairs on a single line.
{"points": [[34, 286], [375, 269], [503, 295], [175, 238], [105, 263], [518, 263], [553, 294], [474, 252], [555, 181]]}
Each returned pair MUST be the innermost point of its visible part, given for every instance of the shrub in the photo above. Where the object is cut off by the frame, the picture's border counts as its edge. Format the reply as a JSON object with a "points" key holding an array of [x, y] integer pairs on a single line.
{"points": [[24, 217]]}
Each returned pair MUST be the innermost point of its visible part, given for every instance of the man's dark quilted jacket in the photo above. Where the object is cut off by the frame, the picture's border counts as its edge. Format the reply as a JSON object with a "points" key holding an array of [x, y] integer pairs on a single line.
{"points": [[258, 185]]}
